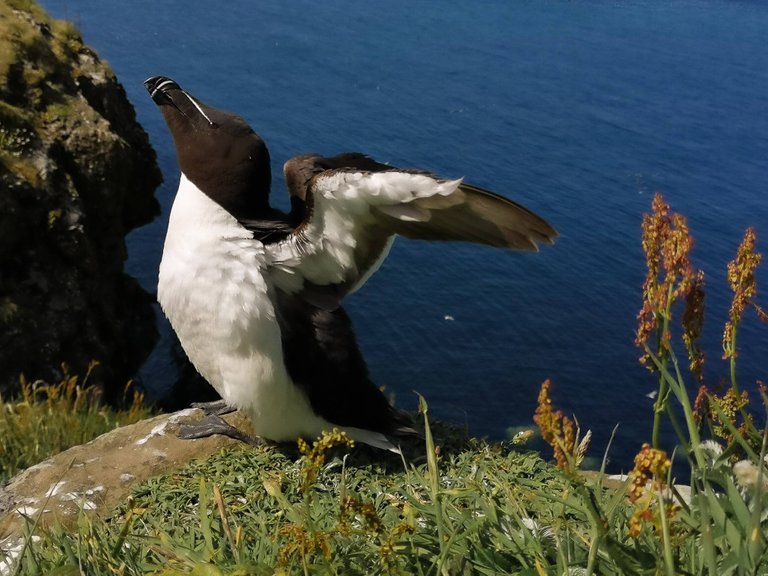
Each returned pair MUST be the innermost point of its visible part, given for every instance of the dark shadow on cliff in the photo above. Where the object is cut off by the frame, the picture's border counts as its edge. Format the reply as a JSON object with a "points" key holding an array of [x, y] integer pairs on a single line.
{"points": [[77, 173]]}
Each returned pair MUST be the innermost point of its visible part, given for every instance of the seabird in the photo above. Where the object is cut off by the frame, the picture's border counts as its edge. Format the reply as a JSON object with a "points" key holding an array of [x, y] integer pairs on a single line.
{"points": [[254, 294]]}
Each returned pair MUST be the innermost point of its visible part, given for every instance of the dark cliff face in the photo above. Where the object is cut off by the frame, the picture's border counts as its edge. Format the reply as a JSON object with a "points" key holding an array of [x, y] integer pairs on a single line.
{"points": [[76, 174]]}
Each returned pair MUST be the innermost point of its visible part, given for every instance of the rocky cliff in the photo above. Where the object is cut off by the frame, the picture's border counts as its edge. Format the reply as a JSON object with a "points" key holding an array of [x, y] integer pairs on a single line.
{"points": [[76, 174]]}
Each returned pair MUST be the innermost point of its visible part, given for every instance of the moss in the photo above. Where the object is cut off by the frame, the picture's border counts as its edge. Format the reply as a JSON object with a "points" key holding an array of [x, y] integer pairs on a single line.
{"points": [[8, 310], [29, 7], [14, 35], [68, 39], [76, 173], [58, 111], [26, 58], [18, 139], [24, 170]]}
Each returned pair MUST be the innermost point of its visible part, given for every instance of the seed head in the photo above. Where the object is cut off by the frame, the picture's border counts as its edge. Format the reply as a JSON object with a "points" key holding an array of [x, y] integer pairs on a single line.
{"points": [[693, 322], [741, 278], [650, 464], [558, 430], [730, 408], [648, 477], [667, 244], [314, 456]]}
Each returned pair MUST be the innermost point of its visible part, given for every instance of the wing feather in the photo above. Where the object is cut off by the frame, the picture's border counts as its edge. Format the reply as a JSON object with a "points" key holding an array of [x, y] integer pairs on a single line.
{"points": [[473, 214], [354, 206]]}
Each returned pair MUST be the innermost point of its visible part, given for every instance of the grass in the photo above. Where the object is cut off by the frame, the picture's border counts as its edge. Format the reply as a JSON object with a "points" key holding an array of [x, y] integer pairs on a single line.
{"points": [[49, 418], [476, 507], [258, 511]]}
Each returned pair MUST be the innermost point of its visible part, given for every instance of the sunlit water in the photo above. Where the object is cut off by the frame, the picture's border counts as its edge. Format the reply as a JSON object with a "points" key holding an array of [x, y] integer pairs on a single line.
{"points": [[579, 110]]}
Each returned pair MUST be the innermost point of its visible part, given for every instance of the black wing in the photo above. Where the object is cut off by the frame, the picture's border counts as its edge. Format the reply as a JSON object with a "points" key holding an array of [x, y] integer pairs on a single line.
{"points": [[323, 358], [352, 207]]}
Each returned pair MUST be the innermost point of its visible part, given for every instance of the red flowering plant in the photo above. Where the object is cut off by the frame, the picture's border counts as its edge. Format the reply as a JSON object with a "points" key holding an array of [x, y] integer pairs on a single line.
{"points": [[560, 432], [723, 522], [671, 280]]}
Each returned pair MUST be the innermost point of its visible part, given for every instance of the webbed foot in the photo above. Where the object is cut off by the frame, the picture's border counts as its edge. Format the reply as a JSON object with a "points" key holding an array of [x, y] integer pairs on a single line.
{"points": [[216, 408], [215, 424]]}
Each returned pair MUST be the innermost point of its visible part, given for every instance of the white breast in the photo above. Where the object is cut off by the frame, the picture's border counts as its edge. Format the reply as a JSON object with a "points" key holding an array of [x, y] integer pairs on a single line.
{"points": [[214, 291]]}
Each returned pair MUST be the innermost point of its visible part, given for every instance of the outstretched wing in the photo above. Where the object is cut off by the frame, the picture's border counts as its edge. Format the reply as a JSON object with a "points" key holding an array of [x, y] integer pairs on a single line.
{"points": [[353, 207]]}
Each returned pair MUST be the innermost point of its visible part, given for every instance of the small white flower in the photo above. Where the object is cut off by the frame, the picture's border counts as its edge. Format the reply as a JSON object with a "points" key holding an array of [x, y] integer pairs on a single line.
{"points": [[530, 523], [746, 475], [543, 534], [712, 450]]}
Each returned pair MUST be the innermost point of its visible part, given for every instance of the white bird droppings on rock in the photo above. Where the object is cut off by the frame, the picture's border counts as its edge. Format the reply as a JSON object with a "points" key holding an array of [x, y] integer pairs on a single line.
{"points": [[28, 511], [12, 549], [158, 430], [55, 488], [94, 490], [181, 414]]}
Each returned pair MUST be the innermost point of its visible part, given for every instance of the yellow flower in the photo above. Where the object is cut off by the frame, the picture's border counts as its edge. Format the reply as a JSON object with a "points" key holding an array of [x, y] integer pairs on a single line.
{"points": [[300, 542], [559, 431], [741, 277], [650, 464], [667, 244], [693, 322], [314, 456], [648, 477], [729, 408]]}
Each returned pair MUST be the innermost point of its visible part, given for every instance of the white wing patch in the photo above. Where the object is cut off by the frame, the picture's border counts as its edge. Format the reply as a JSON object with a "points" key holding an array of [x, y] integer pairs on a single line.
{"points": [[329, 247], [406, 212]]}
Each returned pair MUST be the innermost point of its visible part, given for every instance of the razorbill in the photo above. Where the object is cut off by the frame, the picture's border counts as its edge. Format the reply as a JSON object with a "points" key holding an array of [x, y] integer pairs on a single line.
{"points": [[254, 294]]}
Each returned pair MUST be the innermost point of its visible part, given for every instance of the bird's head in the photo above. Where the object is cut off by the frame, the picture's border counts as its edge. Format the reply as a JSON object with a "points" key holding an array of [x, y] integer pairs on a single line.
{"points": [[218, 151]]}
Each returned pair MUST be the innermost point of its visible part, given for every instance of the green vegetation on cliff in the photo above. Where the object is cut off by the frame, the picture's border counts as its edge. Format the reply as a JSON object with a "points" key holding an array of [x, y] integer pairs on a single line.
{"points": [[469, 507], [76, 174], [48, 418]]}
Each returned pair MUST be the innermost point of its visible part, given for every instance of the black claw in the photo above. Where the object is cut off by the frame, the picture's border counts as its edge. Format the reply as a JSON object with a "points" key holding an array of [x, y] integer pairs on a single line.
{"points": [[214, 424], [216, 408]]}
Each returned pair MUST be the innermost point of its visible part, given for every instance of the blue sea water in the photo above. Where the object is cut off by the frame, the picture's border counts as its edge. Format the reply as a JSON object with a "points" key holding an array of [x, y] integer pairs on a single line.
{"points": [[578, 110]]}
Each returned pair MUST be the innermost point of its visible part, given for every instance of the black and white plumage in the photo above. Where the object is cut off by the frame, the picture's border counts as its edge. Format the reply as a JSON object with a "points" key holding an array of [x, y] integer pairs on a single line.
{"points": [[254, 293]]}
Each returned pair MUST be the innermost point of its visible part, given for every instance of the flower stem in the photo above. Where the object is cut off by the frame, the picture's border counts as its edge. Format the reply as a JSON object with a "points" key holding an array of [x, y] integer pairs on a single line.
{"points": [[732, 355], [661, 360]]}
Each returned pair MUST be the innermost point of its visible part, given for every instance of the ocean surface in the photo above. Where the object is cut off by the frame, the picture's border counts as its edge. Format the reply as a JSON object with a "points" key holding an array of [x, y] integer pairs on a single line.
{"points": [[579, 110]]}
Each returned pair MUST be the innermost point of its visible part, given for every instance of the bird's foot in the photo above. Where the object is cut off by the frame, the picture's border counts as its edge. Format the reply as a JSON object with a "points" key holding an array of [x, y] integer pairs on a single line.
{"points": [[215, 424], [215, 408]]}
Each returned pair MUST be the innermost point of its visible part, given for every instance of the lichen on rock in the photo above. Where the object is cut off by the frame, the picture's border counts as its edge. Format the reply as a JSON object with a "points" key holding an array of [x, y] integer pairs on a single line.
{"points": [[77, 173]]}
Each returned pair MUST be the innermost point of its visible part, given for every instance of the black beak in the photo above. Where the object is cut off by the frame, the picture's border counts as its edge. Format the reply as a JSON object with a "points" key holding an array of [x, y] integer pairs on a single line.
{"points": [[158, 87]]}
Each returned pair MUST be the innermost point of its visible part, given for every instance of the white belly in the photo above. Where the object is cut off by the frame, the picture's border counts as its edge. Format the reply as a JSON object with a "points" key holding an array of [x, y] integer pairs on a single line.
{"points": [[214, 290]]}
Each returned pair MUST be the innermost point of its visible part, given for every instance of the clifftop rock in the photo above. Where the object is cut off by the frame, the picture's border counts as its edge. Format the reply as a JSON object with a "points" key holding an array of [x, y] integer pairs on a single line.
{"points": [[99, 475], [76, 174]]}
